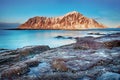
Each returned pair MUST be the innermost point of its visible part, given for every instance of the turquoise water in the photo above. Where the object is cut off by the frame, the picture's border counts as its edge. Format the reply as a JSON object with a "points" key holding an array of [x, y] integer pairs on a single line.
{"points": [[13, 39]]}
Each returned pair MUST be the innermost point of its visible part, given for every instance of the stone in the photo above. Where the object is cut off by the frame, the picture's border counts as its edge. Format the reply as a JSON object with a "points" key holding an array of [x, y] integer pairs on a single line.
{"points": [[96, 33], [9, 58], [59, 64], [87, 43], [109, 76], [32, 50], [15, 70], [63, 37], [111, 44], [60, 37], [42, 68], [32, 62], [85, 78]]}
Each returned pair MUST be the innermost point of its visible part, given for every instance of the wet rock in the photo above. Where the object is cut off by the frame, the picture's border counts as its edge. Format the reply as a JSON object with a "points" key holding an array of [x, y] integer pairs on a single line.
{"points": [[96, 34], [9, 58], [15, 70], [42, 68], [109, 76], [109, 37], [85, 78], [32, 62], [22, 53], [3, 50], [70, 38], [111, 44], [59, 64], [60, 37], [19, 68], [63, 37], [87, 43], [58, 76], [78, 65], [32, 49]]}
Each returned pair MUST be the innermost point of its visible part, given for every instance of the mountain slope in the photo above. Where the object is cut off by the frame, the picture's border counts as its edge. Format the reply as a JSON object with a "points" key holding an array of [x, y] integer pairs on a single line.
{"points": [[72, 20], [118, 27]]}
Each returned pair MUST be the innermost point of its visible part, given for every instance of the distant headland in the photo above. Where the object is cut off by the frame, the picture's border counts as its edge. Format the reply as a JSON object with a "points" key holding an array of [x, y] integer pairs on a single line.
{"points": [[70, 21]]}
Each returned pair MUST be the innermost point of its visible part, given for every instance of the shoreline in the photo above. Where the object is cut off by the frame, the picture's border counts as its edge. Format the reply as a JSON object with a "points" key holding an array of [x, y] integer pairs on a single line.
{"points": [[67, 29], [89, 58]]}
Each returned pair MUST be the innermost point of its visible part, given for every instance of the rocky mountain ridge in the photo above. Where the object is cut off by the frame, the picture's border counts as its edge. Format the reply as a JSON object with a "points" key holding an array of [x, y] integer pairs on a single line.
{"points": [[72, 20]]}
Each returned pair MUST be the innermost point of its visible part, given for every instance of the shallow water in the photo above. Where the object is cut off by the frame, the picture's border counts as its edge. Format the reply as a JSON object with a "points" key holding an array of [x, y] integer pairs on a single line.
{"points": [[12, 39], [40, 69]]}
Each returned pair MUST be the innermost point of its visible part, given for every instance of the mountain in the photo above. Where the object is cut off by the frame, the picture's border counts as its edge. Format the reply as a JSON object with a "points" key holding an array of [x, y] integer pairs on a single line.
{"points": [[118, 27], [8, 25], [73, 20]]}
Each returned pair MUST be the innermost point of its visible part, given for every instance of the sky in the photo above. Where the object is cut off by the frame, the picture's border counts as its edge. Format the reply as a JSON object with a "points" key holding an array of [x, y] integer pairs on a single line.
{"points": [[106, 12]]}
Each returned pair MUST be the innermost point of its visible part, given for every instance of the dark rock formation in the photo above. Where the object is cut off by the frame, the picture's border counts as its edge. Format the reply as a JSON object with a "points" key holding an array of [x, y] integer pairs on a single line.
{"points": [[21, 53], [112, 44], [8, 60], [72, 20], [63, 37], [32, 49], [87, 43], [15, 70], [96, 33]]}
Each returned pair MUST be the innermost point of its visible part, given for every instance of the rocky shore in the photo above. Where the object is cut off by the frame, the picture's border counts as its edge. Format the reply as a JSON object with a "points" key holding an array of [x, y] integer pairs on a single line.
{"points": [[89, 58]]}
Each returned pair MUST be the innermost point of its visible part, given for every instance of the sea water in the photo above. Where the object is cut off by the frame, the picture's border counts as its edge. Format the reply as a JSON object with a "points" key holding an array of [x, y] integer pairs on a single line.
{"points": [[13, 39]]}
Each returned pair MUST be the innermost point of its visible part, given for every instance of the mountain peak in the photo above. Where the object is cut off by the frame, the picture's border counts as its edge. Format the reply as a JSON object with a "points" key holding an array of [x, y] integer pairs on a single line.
{"points": [[72, 12], [72, 20]]}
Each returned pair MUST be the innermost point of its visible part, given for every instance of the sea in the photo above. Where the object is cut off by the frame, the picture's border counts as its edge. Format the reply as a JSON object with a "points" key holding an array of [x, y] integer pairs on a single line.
{"points": [[13, 39]]}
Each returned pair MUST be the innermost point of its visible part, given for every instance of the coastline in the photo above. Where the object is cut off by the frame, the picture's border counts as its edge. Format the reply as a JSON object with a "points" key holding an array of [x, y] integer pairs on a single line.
{"points": [[88, 58], [103, 29]]}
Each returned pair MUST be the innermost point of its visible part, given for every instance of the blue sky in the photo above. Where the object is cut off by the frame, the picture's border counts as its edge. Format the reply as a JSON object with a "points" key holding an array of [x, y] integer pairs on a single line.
{"points": [[19, 11]]}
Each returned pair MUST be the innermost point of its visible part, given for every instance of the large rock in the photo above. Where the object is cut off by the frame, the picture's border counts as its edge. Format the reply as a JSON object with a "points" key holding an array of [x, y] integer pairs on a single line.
{"points": [[15, 70], [32, 49], [87, 43], [9, 58], [31, 62], [72, 20], [21, 53], [112, 44], [19, 68], [59, 64]]}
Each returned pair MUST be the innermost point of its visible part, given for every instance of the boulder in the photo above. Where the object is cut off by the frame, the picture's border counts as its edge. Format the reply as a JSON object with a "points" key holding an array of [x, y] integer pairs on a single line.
{"points": [[93, 33], [87, 43], [60, 37], [63, 37], [15, 70], [32, 62], [19, 68], [32, 50], [9, 58], [111, 44], [59, 64]]}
